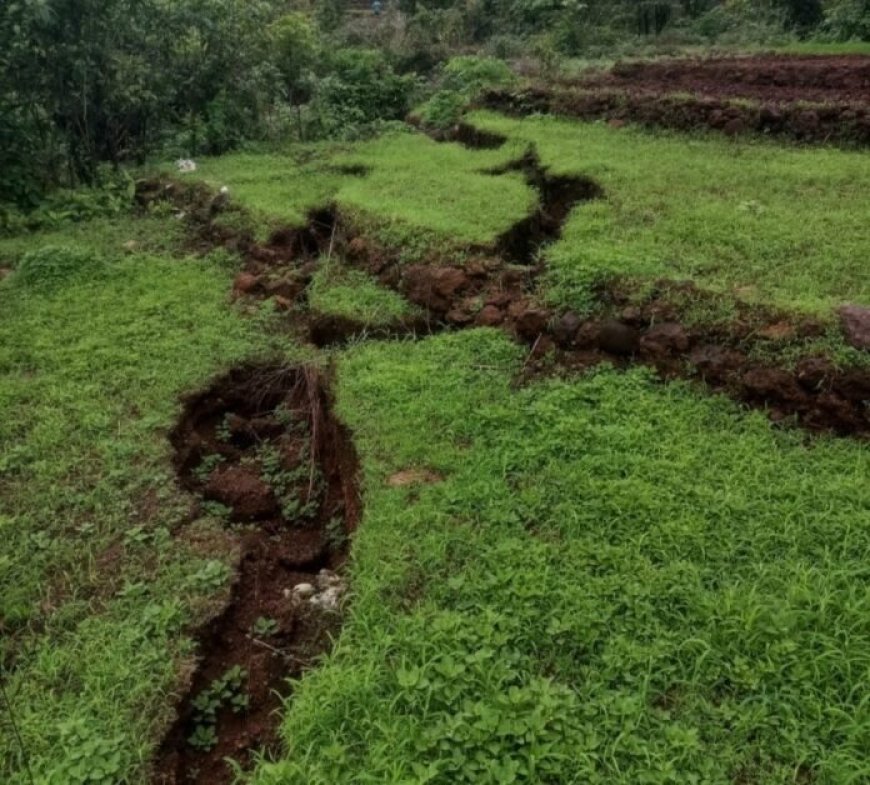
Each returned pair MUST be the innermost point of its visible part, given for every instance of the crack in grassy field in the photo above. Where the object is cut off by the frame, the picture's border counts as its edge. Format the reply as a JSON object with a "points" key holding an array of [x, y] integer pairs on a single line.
{"points": [[323, 235], [594, 579]]}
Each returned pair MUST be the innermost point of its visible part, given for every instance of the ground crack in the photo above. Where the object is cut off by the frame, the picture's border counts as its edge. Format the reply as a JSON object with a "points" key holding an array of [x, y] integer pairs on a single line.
{"points": [[262, 443]]}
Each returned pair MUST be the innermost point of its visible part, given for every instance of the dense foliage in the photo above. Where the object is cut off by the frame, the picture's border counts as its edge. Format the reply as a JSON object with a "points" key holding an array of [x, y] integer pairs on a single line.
{"points": [[83, 82]]}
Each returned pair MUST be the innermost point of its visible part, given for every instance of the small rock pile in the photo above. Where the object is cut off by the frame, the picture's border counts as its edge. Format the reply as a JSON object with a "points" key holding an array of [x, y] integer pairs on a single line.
{"points": [[325, 593]]}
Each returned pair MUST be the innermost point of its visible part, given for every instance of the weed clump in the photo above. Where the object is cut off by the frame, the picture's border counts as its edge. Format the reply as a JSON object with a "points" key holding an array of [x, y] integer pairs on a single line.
{"points": [[53, 265]]}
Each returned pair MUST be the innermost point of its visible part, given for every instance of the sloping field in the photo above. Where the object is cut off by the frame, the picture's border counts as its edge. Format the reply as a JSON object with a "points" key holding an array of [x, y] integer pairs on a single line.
{"points": [[541, 463]]}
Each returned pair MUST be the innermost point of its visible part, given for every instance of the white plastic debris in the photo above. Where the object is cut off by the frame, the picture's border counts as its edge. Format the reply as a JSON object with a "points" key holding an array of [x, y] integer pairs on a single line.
{"points": [[185, 165]]}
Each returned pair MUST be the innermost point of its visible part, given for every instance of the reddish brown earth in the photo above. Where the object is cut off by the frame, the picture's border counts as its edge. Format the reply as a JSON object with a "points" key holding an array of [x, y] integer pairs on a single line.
{"points": [[810, 99], [771, 78], [252, 412]]}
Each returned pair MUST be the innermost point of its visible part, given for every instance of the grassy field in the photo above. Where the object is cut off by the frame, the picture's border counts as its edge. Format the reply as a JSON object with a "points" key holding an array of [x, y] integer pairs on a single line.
{"points": [[616, 581], [416, 194], [603, 579], [767, 223]]}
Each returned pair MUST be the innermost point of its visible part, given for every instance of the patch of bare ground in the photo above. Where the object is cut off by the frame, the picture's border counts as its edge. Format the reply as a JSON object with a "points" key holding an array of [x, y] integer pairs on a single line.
{"points": [[810, 99]]}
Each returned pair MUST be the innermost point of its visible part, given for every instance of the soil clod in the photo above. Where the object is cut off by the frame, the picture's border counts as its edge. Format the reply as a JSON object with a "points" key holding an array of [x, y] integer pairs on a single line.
{"points": [[856, 325]]}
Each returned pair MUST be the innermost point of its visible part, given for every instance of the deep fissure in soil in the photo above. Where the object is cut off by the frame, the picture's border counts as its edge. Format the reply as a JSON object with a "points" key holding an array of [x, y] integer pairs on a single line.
{"points": [[489, 290], [262, 447], [262, 442]]}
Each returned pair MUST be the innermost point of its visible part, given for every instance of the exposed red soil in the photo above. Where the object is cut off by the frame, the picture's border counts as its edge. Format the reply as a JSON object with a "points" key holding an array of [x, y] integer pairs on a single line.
{"points": [[258, 435], [836, 123], [810, 99], [767, 79]]}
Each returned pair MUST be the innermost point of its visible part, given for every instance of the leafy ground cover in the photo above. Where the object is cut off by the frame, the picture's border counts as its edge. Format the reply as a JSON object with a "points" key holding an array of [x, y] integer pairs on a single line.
{"points": [[615, 581], [96, 345], [595, 579]]}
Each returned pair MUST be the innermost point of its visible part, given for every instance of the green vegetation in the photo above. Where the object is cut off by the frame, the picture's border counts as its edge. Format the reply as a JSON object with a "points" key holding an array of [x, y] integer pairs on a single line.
{"points": [[417, 195], [421, 194], [343, 291], [227, 691], [276, 190], [114, 81], [770, 224], [826, 48], [601, 579], [617, 582], [94, 592]]}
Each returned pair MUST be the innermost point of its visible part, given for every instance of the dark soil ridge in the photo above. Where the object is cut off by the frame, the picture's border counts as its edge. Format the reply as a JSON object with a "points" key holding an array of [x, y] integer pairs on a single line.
{"points": [[222, 443], [766, 78], [488, 291], [836, 123]]}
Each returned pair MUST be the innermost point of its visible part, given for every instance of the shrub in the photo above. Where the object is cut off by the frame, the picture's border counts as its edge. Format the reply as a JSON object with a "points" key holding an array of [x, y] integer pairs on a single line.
{"points": [[470, 75], [48, 267], [360, 90], [848, 20], [443, 109]]}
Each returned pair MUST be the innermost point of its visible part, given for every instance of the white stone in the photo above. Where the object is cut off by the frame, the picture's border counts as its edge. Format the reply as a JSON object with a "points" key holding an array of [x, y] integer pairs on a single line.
{"points": [[304, 590], [327, 578], [329, 600]]}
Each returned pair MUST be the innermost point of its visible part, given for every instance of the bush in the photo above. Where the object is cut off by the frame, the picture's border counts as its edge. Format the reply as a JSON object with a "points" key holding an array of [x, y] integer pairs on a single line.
{"points": [[848, 20], [361, 89], [443, 109], [506, 46], [470, 75], [112, 196], [46, 268]]}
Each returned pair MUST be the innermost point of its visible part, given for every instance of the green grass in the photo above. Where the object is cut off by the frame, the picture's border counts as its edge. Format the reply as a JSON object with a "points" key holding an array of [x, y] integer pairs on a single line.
{"points": [[277, 190], [94, 592], [618, 581], [423, 194], [769, 224], [417, 195], [107, 236]]}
